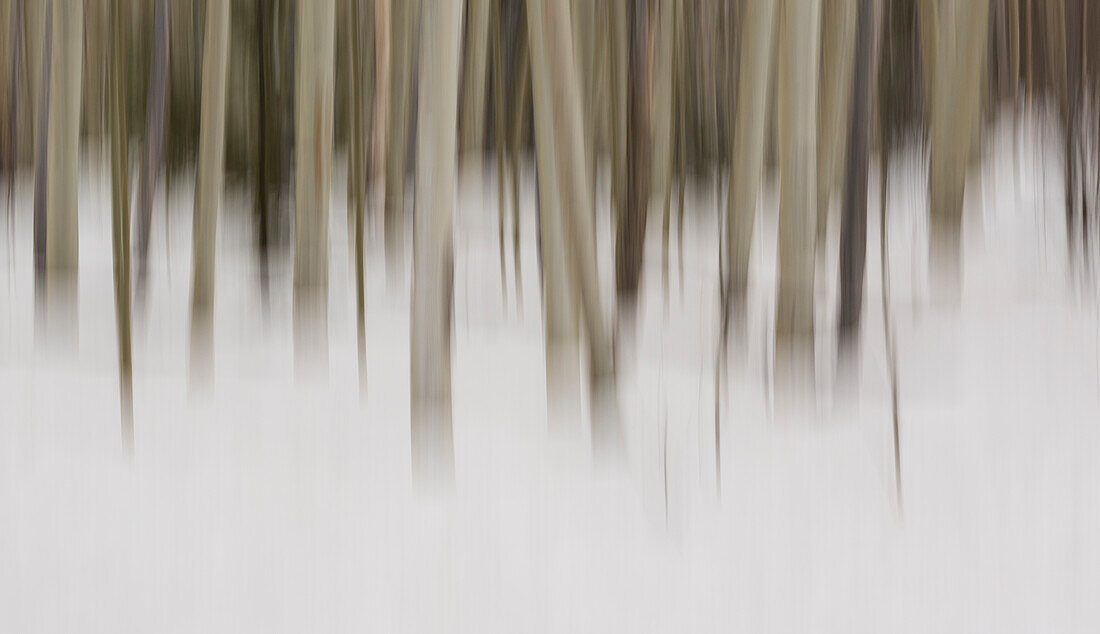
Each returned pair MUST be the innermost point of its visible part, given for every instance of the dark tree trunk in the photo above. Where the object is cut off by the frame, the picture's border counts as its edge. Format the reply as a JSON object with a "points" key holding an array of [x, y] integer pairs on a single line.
{"points": [[853, 229], [263, 40], [13, 109], [630, 236], [154, 142], [40, 155], [120, 216]]}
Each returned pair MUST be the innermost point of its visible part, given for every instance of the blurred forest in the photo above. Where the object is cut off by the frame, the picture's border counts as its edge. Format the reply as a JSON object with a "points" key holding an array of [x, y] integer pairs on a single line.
{"points": [[811, 93]]}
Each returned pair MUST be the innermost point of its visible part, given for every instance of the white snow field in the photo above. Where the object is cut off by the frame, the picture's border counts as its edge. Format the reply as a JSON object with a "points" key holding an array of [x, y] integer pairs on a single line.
{"points": [[276, 505]]}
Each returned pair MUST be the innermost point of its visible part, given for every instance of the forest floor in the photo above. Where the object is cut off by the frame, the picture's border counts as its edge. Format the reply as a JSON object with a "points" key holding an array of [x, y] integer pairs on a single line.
{"points": [[275, 504]]}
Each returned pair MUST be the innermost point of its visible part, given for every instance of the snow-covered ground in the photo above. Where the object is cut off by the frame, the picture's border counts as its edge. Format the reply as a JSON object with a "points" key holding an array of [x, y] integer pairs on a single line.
{"points": [[275, 506]]}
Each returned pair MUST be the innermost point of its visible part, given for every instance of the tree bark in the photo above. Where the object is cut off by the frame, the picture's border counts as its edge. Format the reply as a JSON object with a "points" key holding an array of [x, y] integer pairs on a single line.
{"points": [[853, 228], [313, 177], [798, 78], [357, 142], [16, 27], [40, 20], [747, 165], [208, 189], [961, 30], [473, 77], [261, 169], [120, 215], [62, 166], [663, 136], [630, 233], [560, 319], [403, 36], [154, 141], [433, 255], [553, 51], [838, 34]]}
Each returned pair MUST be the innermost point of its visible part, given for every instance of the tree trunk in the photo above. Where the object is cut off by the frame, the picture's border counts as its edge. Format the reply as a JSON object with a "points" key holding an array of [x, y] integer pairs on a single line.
{"points": [[208, 189], [261, 169], [556, 54], [382, 91], [497, 28], [433, 256], [357, 142], [403, 36], [40, 20], [798, 76], [663, 137], [561, 327], [473, 77], [747, 164], [838, 34], [630, 232], [16, 27], [154, 141], [313, 176], [120, 215], [853, 228], [62, 166], [961, 35]]}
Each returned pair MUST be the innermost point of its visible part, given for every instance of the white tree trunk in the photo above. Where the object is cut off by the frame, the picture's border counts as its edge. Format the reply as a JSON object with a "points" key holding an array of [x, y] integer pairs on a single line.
{"points": [[312, 179], [433, 255], [208, 188], [798, 78], [63, 138]]}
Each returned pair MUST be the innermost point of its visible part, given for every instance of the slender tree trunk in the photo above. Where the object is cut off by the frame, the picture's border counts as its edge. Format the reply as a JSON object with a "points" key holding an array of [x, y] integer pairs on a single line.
{"points": [[120, 216], [747, 165], [403, 36], [473, 76], [40, 21], [834, 96], [382, 93], [357, 142], [433, 256], [154, 141], [891, 346], [617, 42], [262, 166], [520, 105], [798, 75], [662, 157], [586, 26], [630, 234], [62, 166], [497, 28], [16, 25], [313, 177], [853, 228], [208, 189]]}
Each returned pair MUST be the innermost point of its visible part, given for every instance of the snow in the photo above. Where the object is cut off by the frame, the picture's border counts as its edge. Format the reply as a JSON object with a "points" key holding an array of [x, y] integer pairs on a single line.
{"points": [[272, 504]]}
